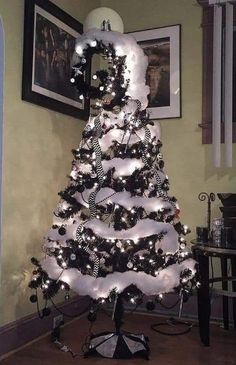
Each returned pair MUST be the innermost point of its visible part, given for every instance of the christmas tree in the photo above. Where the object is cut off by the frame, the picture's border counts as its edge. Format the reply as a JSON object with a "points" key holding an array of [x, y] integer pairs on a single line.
{"points": [[115, 230]]}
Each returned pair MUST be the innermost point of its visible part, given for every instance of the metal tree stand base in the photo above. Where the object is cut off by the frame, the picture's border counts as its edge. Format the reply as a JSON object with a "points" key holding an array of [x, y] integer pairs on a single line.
{"points": [[118, 344]]}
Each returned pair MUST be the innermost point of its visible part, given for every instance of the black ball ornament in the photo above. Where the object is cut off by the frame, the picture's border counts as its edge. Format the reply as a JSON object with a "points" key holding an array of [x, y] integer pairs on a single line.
{"points": [[92, 316], [46, 311], [33, 298], [160, 251], [150, 305], [67, 296], [62, 231]]}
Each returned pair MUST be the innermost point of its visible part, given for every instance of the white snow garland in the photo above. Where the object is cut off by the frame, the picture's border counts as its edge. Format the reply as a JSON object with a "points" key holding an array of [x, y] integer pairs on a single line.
{"points": [[119, 136], [136, 61], [165, 281], [144, 228]]}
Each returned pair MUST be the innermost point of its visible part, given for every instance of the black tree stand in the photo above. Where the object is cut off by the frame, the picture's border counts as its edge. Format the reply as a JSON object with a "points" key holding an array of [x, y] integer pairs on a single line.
{"points": [[118, 344]]}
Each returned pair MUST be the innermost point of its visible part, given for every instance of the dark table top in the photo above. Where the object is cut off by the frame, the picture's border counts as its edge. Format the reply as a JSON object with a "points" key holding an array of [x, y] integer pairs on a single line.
{"points": [[210, 248]]}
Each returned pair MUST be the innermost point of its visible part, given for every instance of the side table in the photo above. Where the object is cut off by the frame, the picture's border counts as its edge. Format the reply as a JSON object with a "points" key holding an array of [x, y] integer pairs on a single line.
{"points": [[201, 253]]}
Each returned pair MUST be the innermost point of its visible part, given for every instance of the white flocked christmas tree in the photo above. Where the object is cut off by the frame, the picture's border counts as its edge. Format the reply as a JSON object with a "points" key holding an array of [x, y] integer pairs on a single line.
{"points": [[115, 226]]}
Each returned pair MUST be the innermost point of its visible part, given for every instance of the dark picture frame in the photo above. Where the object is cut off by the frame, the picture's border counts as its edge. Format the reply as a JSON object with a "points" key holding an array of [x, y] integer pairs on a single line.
{"points": [[49, 39], [162, 47]]}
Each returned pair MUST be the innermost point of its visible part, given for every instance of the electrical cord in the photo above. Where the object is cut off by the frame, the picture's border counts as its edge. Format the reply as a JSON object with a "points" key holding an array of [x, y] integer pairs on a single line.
{"points": [[69, 315], [172, 322], [171, 306]]}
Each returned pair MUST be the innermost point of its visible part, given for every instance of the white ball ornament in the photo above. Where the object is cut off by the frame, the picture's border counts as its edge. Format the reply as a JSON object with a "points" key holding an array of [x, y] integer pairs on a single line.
{"points": [[73, 257], [130, 265], [96, 17]]}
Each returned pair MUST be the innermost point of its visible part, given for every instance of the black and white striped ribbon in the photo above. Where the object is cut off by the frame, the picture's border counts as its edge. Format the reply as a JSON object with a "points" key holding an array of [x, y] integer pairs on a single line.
{"points": [[91, 253], [146, 140], [97, 150], [138, 104], [92, 204], [97, 124]]}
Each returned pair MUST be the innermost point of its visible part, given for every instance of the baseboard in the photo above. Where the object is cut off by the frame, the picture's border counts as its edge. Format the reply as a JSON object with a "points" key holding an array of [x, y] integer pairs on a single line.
{"points": [[20, 332]]}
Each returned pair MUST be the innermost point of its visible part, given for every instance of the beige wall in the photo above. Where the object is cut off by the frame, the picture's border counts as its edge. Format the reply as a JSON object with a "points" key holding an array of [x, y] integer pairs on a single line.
{"points": [[37, 157], [37, 142]]}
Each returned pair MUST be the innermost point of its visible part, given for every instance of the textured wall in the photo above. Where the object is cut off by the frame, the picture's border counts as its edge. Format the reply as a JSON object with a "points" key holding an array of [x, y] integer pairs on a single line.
{"points": [[37, 145], [37, 142]]}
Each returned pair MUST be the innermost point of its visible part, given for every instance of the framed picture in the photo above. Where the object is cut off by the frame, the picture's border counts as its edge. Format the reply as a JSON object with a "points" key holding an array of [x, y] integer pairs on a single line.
{"points": [[162, 47], [49, 42]]}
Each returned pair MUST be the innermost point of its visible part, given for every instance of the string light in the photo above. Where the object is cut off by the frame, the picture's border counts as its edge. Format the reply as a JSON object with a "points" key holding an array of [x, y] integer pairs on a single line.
{"points": [[93, 43]]}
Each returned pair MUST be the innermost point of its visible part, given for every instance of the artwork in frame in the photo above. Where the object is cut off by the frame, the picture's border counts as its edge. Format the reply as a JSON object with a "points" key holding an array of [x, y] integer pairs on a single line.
{"points": [[162, 47], [49, 42]]}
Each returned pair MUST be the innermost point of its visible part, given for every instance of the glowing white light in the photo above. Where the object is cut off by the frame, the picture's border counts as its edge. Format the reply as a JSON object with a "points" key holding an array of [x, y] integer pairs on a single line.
{"points": [[95, 77], [62, 286], [93, 43], [63, 264], [160, 296], [132, 300], [59, 256], [113, 93], [81, 97], [119, 51], [79, 50], [72, 80], [61, 251], [101, 88]]}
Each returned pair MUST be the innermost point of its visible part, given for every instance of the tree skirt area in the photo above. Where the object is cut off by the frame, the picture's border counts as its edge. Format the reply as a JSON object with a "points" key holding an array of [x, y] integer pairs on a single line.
{"points": [[165, 350]]}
